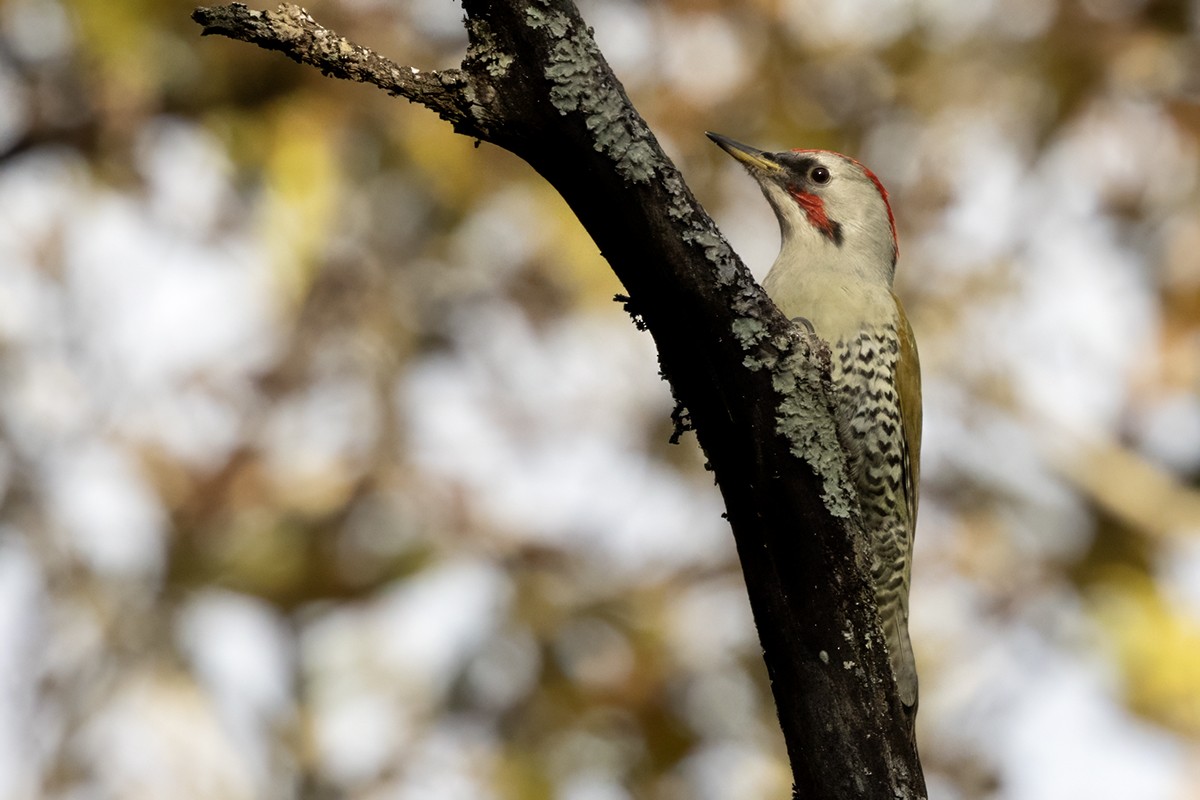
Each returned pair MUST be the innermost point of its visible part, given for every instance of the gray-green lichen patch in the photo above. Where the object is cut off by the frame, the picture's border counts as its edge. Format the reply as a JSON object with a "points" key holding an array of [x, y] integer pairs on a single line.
{"points": [[498, 67], [804, 420], [802, 415], [749, 331], [679, 207], [578, 85], [474, 103], [716, 250], [762, 361], [485, 51], [554, 23]]}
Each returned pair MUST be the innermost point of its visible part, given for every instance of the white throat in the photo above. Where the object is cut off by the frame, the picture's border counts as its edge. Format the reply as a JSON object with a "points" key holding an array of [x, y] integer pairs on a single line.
{"points": [[836, 287]]}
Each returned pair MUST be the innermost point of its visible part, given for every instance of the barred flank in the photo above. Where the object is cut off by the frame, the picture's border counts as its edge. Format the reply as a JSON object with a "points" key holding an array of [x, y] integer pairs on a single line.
{"points": [[871, 426]]}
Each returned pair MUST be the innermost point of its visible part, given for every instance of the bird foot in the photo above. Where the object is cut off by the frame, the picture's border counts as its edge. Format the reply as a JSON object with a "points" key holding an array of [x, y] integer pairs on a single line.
{"points": [[802, 321]]}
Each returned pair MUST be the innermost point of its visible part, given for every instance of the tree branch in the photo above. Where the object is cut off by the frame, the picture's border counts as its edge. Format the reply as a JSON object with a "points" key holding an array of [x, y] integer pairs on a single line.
{"points": [[292, 31], [756, 389]]}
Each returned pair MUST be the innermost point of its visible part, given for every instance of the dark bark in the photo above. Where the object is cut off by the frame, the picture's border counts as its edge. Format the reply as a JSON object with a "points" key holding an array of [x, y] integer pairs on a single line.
{"points": [[756, 388]]}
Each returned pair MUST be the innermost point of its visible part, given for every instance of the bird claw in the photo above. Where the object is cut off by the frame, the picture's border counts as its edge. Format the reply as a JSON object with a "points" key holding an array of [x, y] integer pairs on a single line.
{"points": [[802, 321]]}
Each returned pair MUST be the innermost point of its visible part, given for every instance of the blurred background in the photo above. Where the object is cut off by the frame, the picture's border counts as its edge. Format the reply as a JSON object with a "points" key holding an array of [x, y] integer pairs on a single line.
{"points": [[328, 467]]}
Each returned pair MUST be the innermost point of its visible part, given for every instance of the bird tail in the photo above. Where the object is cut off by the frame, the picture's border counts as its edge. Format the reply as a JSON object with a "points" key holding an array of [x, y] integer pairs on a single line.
{"points": [[891, 578], [900, 653]]}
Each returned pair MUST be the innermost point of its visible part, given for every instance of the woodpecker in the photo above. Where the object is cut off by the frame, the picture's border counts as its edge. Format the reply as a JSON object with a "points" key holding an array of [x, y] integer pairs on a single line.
{"points": [[834, 275]]}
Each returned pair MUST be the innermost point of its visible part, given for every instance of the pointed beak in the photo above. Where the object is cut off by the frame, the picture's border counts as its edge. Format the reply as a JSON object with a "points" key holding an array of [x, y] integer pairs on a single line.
{"points": [[751, 157]]}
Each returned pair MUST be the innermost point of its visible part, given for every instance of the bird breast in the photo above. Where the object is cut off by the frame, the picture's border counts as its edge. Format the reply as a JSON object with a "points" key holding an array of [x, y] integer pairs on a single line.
{"points": [[838, 303]]}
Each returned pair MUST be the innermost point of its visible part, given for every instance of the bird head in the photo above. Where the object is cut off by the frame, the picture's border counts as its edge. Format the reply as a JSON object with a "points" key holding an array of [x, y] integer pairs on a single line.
{"points": [[832, 210]]}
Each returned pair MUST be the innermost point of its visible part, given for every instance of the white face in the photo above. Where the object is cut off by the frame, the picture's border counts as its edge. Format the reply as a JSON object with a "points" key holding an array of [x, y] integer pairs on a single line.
{"points": [[833, 208]]}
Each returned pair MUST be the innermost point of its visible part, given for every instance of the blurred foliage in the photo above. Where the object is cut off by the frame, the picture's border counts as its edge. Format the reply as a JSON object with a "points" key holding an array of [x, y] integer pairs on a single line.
{"points": [[327, 468]]}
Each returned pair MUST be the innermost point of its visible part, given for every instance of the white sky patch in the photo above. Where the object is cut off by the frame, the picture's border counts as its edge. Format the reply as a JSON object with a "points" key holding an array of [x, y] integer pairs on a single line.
{"points": [[1028, 696], [37, 30], [964, 436], [428, 626], [453, 761], [502, 233], [14, 106], [199, 425], [545, 431], [158, 309], [1177, 571], [626, 36], [108, 513], [144, 308], [157, 736], [46, 403], [593, 653], [948, 23], [591, 786], [723, 704], [242, 651], [30, 307], [1099, 751], [746, 218], [38, 193], [708, 625], [1074, 311], [1093, 154], [324, 433], [1022, 19], [376, 673], [159, 322], [733, 771], [356, 731], [433, 19], [703, 58], [22, 601], [187, 177], [982, 224], [506, 670], [1083, 319], [1169, 431], [862, 23], [601, 752]]}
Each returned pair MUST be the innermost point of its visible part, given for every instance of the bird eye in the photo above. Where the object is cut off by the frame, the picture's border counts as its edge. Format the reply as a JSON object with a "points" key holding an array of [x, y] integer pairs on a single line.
{"points": [[819, 175]]}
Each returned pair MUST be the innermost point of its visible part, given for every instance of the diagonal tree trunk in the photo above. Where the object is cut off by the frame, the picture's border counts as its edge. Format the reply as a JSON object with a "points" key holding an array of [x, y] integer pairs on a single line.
{"points": [[756, 388]]}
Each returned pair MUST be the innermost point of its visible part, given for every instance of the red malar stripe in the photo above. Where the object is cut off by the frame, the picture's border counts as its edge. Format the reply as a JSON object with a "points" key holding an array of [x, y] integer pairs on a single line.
{"points": [[814, 208]]}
